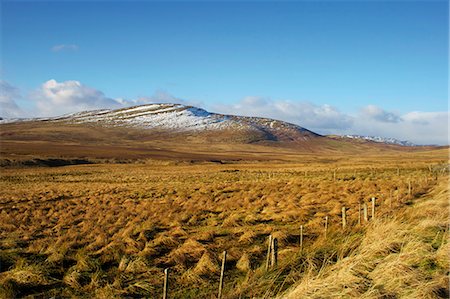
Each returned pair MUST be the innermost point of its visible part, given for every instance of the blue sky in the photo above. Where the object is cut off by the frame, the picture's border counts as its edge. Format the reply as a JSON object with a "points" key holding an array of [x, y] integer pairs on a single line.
{"points": [[347, 55]]}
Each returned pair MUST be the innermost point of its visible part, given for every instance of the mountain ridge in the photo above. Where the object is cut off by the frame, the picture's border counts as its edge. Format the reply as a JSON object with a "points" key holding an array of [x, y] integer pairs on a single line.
{"points": [[178, 118], [186, 118]]}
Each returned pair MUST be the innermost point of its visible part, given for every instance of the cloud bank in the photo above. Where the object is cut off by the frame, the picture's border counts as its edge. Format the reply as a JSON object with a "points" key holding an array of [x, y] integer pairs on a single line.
{"points": [[8, 96], [376, 113], [417, 127], [306, 114], [54, 98]]}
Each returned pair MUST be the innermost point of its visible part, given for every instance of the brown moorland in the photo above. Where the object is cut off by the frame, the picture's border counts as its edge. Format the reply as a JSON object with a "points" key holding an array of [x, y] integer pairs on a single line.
{"points": [[109, 229], [29, 140]]}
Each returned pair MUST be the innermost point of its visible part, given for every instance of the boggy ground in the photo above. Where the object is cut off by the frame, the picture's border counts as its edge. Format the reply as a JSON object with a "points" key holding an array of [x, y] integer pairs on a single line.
{"points": [[109, 230]]}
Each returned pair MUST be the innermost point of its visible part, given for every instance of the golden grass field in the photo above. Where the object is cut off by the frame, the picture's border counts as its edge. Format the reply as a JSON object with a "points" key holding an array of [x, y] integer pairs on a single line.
{"points": [[109, 230]]}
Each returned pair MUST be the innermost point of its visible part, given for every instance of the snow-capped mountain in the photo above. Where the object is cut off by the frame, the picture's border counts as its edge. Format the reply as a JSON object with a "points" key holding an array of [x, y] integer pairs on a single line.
{"points": [[177, 118], [181, 118], [381, 140]]}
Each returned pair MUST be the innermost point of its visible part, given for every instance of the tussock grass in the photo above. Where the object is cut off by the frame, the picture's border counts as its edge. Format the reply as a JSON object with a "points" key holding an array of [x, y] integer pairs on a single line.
{"points": [[108, 231], [187, 253], [396, 258], [244, 264], [207, 266]]}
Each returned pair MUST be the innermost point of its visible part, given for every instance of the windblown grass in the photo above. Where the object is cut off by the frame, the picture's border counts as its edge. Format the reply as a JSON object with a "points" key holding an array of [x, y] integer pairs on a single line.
{"points": [[109, 230], [404, 256]]}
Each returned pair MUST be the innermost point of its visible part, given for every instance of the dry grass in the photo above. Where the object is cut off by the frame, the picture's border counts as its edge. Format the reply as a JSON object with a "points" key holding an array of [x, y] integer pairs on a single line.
{"points": [[401, 257], [109, 230]]}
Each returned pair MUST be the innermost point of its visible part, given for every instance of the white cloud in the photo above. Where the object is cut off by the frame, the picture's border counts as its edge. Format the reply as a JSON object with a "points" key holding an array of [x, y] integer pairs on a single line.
{"points": [[424, 127], [379, 114], [417, 127], [322, 118], [56, 98], [8, 96], [62, 47]]}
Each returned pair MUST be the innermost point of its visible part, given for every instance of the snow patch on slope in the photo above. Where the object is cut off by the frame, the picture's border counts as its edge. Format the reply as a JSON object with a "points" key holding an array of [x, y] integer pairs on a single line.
{"points": [[163, 116]]}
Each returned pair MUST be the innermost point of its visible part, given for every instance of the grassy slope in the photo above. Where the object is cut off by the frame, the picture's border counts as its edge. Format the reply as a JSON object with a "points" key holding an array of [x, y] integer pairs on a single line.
{"points": [[404, 256], [29, 140]]}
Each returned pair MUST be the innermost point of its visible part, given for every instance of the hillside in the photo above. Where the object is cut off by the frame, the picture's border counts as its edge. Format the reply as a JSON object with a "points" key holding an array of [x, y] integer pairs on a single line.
{"points": [[176, 118], [170, 132]]}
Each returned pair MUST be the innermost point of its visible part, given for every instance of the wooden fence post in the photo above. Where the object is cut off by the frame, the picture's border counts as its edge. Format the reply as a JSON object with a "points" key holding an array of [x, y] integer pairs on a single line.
{"points": [[166, 284], [366, 218], [373, 207], [222, 272], [326, 226], [344, 218], [274, 261], [269, 251]]}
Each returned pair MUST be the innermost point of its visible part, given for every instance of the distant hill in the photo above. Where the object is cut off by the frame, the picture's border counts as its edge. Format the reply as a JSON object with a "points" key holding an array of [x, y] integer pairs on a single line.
{"points": [[380, 139], [170, 131]]}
